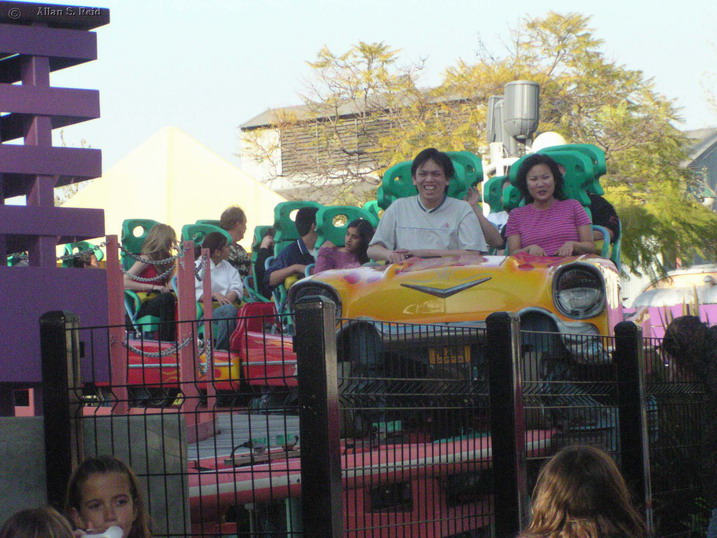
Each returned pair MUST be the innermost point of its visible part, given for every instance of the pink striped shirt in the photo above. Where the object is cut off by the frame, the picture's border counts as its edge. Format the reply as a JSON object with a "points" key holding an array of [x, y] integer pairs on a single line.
{"points": [[547, 228]]}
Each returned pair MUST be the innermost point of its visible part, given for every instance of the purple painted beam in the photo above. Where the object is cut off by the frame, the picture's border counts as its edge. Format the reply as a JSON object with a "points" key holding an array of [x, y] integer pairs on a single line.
{"points": [[49, 42], [62, 221], [50, 161], [50, 101], [55, 16], [66, 106]]}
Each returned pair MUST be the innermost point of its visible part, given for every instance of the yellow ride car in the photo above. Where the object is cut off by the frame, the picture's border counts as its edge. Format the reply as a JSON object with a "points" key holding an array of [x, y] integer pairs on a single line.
{"points": [[573, 296]]}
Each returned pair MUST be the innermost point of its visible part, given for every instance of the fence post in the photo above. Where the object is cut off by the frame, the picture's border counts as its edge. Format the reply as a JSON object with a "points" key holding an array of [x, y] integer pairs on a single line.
{"points": [[61, 388], [115, 303], [187, 313], [634, 440], [315, 344], [207, 308], [507, 420]]}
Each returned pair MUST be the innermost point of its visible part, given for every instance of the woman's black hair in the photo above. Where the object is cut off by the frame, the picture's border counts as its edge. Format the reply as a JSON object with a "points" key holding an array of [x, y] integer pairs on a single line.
{"points": [[438, 157], [522, 177], [365, 230]]}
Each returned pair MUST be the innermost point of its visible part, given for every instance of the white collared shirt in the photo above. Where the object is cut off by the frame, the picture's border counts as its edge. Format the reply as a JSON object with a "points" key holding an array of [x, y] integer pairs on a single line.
{"points": [[225, 278]]}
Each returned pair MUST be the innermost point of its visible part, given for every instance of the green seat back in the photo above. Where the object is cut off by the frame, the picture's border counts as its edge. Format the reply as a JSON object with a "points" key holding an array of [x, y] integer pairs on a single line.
{"points": [[15, 259], [511, 198], [252, 283], [81, 246], [284, 215], [134, 232], [493, 193], [472, 168], [397, 181], [374, 210], [197, 232], [332, 222], [213, 222], [595, 154]]}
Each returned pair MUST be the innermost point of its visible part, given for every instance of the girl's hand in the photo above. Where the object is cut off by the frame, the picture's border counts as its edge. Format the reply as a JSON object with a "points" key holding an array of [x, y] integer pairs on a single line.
{"points": [[534, 250], [221, 298], [472, 196], [566, 249]]}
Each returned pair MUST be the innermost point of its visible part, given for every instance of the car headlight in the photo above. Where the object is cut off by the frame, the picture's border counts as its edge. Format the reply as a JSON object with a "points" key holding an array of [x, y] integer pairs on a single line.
{"points": [[309, 288], [579, 292]]}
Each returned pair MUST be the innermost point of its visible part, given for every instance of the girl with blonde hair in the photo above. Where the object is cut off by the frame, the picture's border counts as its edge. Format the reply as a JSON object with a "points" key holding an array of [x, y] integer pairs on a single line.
{"points": [[580, 493], [160, 301]]}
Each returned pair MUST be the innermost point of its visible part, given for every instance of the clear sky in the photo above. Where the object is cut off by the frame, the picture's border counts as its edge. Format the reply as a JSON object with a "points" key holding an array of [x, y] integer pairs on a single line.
{"points": [[207, 66]]}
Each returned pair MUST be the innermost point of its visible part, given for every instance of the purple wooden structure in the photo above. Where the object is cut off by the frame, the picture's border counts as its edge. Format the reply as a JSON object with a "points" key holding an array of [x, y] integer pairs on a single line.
{"points": [[35, 40]]}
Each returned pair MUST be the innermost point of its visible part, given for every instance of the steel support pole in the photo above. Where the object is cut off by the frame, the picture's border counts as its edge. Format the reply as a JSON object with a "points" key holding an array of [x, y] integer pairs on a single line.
{"points": [[321, 487], [634, 440], [507, 423], [61, 392]]}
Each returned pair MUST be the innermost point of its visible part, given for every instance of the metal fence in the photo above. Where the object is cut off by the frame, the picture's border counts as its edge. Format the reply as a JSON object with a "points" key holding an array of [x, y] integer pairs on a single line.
{"points": [[362, 428], [675, 401]]}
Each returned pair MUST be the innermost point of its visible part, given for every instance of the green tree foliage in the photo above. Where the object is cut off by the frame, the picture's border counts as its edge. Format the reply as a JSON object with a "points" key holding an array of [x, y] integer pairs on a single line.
{"points": [[589, 98], [363, 112]]}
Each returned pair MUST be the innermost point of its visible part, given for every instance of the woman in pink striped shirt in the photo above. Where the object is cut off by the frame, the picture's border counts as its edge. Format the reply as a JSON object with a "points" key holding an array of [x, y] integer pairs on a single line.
{"points": [[549, 224]]}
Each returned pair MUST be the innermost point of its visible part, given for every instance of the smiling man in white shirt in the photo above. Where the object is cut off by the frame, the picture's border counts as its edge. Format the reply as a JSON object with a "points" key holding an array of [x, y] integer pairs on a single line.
{"points": [[431, 223]]}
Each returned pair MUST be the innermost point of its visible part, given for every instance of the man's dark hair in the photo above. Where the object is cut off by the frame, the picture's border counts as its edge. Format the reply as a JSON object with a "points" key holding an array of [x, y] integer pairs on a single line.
{"points": [[521, 181], [214, 241], [305, 217], [438, 157]]}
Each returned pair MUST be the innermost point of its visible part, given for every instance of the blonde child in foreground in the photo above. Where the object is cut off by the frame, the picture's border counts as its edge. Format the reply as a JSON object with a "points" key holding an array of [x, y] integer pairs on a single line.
{"points": [[580, 493], [104, 492]]}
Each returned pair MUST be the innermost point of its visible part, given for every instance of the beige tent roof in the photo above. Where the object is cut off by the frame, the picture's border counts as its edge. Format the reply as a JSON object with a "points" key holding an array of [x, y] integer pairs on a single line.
{"points": [[174, 179]]}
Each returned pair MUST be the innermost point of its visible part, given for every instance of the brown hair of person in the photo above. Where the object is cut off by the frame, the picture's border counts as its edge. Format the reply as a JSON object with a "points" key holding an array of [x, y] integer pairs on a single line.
{"points": [[232, 216], [109, 464], [580, 493], [44, 522], [158, 245]]}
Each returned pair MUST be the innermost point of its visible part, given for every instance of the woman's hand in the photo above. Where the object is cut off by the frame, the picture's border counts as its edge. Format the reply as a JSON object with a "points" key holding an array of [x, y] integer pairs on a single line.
{"points": [[566, 249], [472, 196], [267, 242], [534, 250], [397, 256]]}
